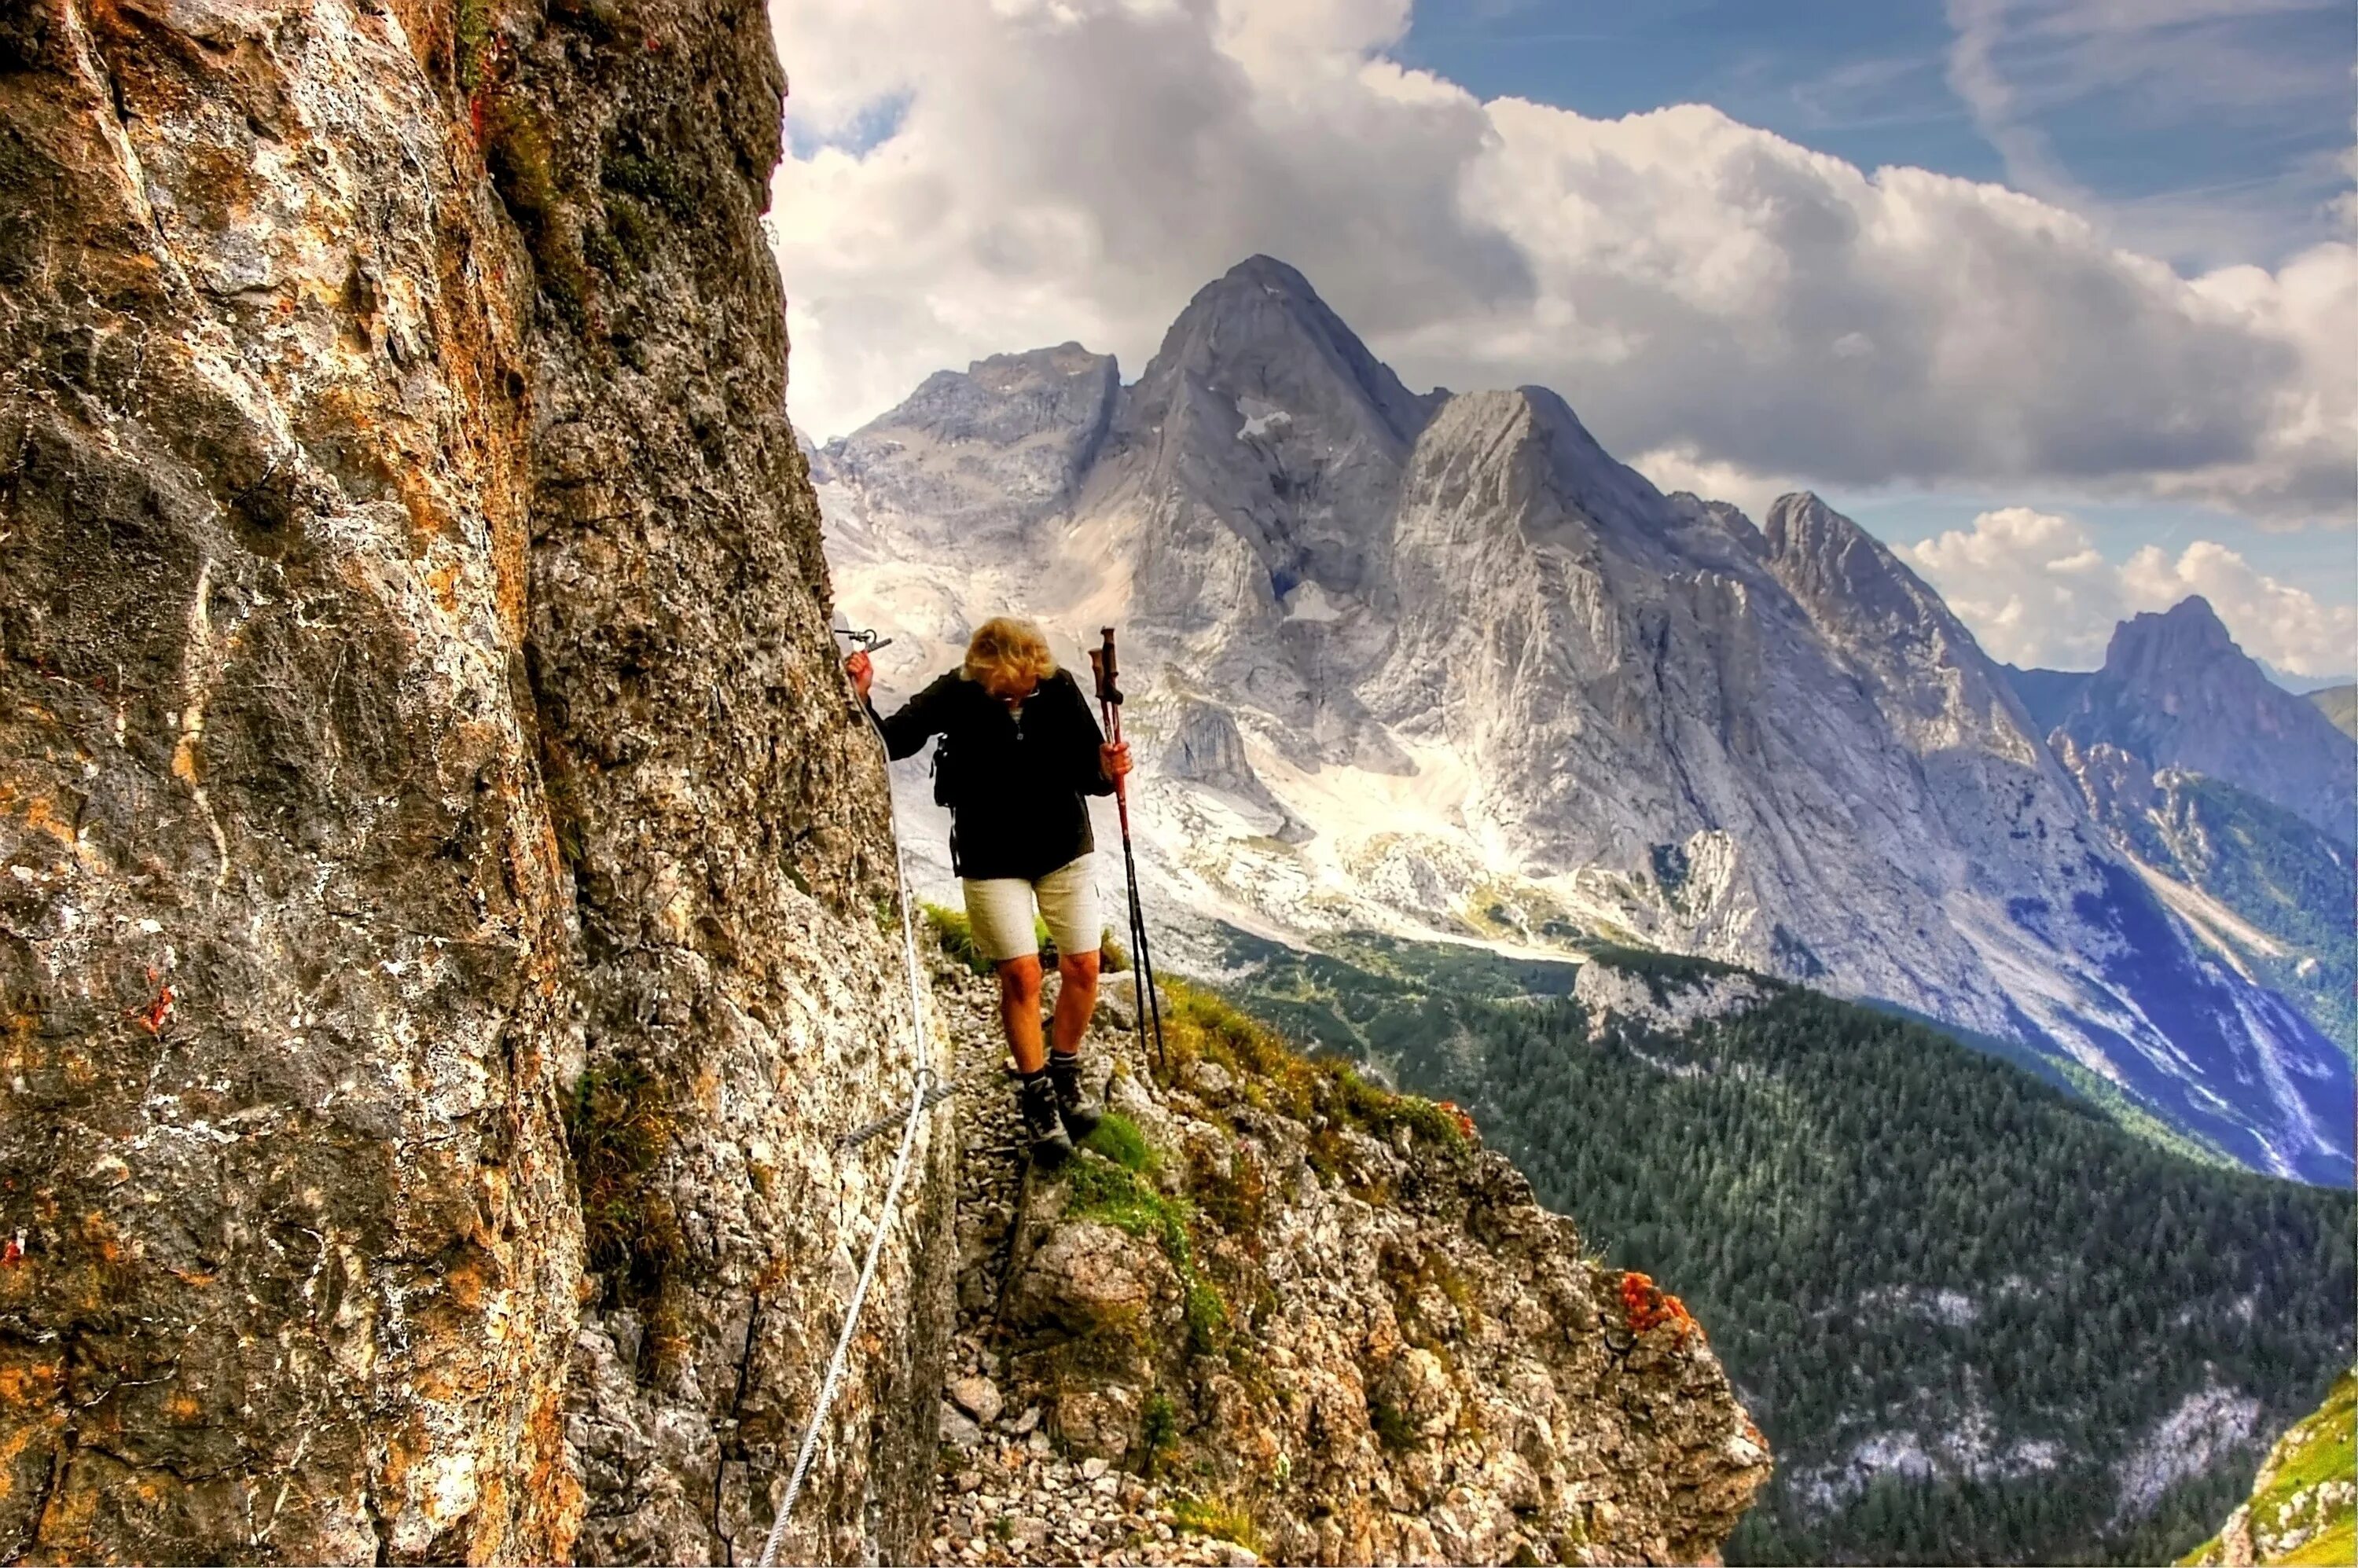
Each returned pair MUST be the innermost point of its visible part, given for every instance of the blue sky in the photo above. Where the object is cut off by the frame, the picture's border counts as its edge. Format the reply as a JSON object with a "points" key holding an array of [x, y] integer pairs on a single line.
{"points": [[2217, 136]]}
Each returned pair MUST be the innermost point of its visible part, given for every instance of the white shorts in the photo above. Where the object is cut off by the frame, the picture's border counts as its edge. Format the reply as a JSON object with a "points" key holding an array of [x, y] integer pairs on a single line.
{"points": [[998, 912]]}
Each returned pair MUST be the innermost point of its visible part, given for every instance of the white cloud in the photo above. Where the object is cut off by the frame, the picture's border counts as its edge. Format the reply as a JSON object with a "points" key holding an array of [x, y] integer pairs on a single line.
{"points": [[2036, 591], [1076, 168], [1679, 468]]}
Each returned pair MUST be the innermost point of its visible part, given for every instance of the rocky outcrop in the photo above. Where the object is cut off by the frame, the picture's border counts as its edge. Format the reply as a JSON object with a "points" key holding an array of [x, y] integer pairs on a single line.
{"points": [[1201, 744], [2176, 692], [1669, 1006], [447, 900], [2304, 1502], [1273, 1311]]}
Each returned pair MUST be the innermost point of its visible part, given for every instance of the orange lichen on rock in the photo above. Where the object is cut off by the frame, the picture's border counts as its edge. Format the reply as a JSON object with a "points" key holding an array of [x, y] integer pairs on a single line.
{"points": [[1646, 1307], [158, 1009]]}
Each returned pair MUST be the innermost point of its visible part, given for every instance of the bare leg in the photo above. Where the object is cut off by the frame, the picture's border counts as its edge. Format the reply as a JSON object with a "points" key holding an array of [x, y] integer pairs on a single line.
{"points": [[1019, 1011], [1077, 998]]}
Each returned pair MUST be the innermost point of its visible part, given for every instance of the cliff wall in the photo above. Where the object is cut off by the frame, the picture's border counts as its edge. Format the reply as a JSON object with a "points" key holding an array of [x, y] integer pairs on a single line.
{"points": [[421, 751]]}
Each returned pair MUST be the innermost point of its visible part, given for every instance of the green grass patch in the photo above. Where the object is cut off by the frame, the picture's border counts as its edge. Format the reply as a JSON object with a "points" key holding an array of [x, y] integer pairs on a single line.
{"points": [[1207, 1314], [1199, 1026], [1118, 1139], [1158, 1434], [1113, 1193], [1217, 1517], [1124, 1197]]}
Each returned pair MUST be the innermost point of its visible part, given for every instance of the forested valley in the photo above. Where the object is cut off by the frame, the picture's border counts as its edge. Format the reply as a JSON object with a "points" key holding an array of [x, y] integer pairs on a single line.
{"points": [[1977, 1320]]}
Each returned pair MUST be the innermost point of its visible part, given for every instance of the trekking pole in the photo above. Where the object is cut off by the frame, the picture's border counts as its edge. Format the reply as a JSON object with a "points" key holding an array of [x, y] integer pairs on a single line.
{"points": [[1108, 697], [1141, 963]]}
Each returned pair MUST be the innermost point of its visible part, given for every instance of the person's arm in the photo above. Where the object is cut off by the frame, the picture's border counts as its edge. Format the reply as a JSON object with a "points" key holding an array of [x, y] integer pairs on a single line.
{"points": [[911, 724], [1094, 764]]}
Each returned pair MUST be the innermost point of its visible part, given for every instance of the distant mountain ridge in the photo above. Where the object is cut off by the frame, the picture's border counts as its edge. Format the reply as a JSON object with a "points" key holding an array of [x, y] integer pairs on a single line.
{"points": [[2340, 706], [2177, 692], [1438, 665], [2202, 771]]}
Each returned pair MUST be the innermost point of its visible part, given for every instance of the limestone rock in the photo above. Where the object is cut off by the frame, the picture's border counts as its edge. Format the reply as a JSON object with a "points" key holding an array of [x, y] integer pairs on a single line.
{"points": [[1097, 1419], [1089, 1277], [958, 1429], [979, 1397], [422, 749]]}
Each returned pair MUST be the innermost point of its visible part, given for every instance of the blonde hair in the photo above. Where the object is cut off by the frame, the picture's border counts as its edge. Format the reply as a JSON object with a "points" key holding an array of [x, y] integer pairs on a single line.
{"points": [[1008, 648]]}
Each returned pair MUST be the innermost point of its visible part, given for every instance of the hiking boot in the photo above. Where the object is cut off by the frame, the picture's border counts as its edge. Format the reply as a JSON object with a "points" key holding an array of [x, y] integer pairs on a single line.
{"points": [[1050, 1146], [1080, 1118]]}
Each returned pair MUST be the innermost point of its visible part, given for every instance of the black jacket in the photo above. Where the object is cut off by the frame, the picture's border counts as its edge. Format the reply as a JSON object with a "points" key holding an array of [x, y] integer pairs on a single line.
{"points": [[1013, 785]]}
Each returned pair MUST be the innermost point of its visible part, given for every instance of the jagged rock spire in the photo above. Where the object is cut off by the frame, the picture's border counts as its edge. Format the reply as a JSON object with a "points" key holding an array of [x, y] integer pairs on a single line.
{"points": [[2178, 692]]}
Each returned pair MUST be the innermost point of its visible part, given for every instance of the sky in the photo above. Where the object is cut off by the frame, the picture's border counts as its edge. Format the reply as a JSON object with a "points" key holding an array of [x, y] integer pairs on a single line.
{"points": [[2058, 297]]}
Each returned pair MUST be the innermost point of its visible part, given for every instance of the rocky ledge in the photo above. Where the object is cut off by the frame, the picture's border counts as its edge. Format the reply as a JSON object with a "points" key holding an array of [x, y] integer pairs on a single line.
{"points": [[1271, 1310]]}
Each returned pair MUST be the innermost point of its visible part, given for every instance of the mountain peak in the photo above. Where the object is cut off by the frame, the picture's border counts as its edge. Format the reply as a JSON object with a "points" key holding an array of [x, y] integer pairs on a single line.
{"points": [[1825, 557], [2177, 691], [2187, 632], [1801, 522], [1260, 331], [1268, 272]]}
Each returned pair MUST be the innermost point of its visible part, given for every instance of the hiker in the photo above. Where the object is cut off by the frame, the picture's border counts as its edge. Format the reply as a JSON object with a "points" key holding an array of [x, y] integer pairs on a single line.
{"points": [[1020, 749]]}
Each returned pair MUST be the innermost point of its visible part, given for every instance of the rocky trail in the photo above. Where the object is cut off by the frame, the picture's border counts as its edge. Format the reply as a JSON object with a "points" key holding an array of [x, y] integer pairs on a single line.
{"points": [[1008, 1493], [1272, 1311]]}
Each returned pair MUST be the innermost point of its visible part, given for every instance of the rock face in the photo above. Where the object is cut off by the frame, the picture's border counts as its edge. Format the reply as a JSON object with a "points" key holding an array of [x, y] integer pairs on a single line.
{"points": [[446, 908], [2265, 890], [968, 459], [1277, 1313], [1478, 679], [2177, 692], [2304, 1503]]}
